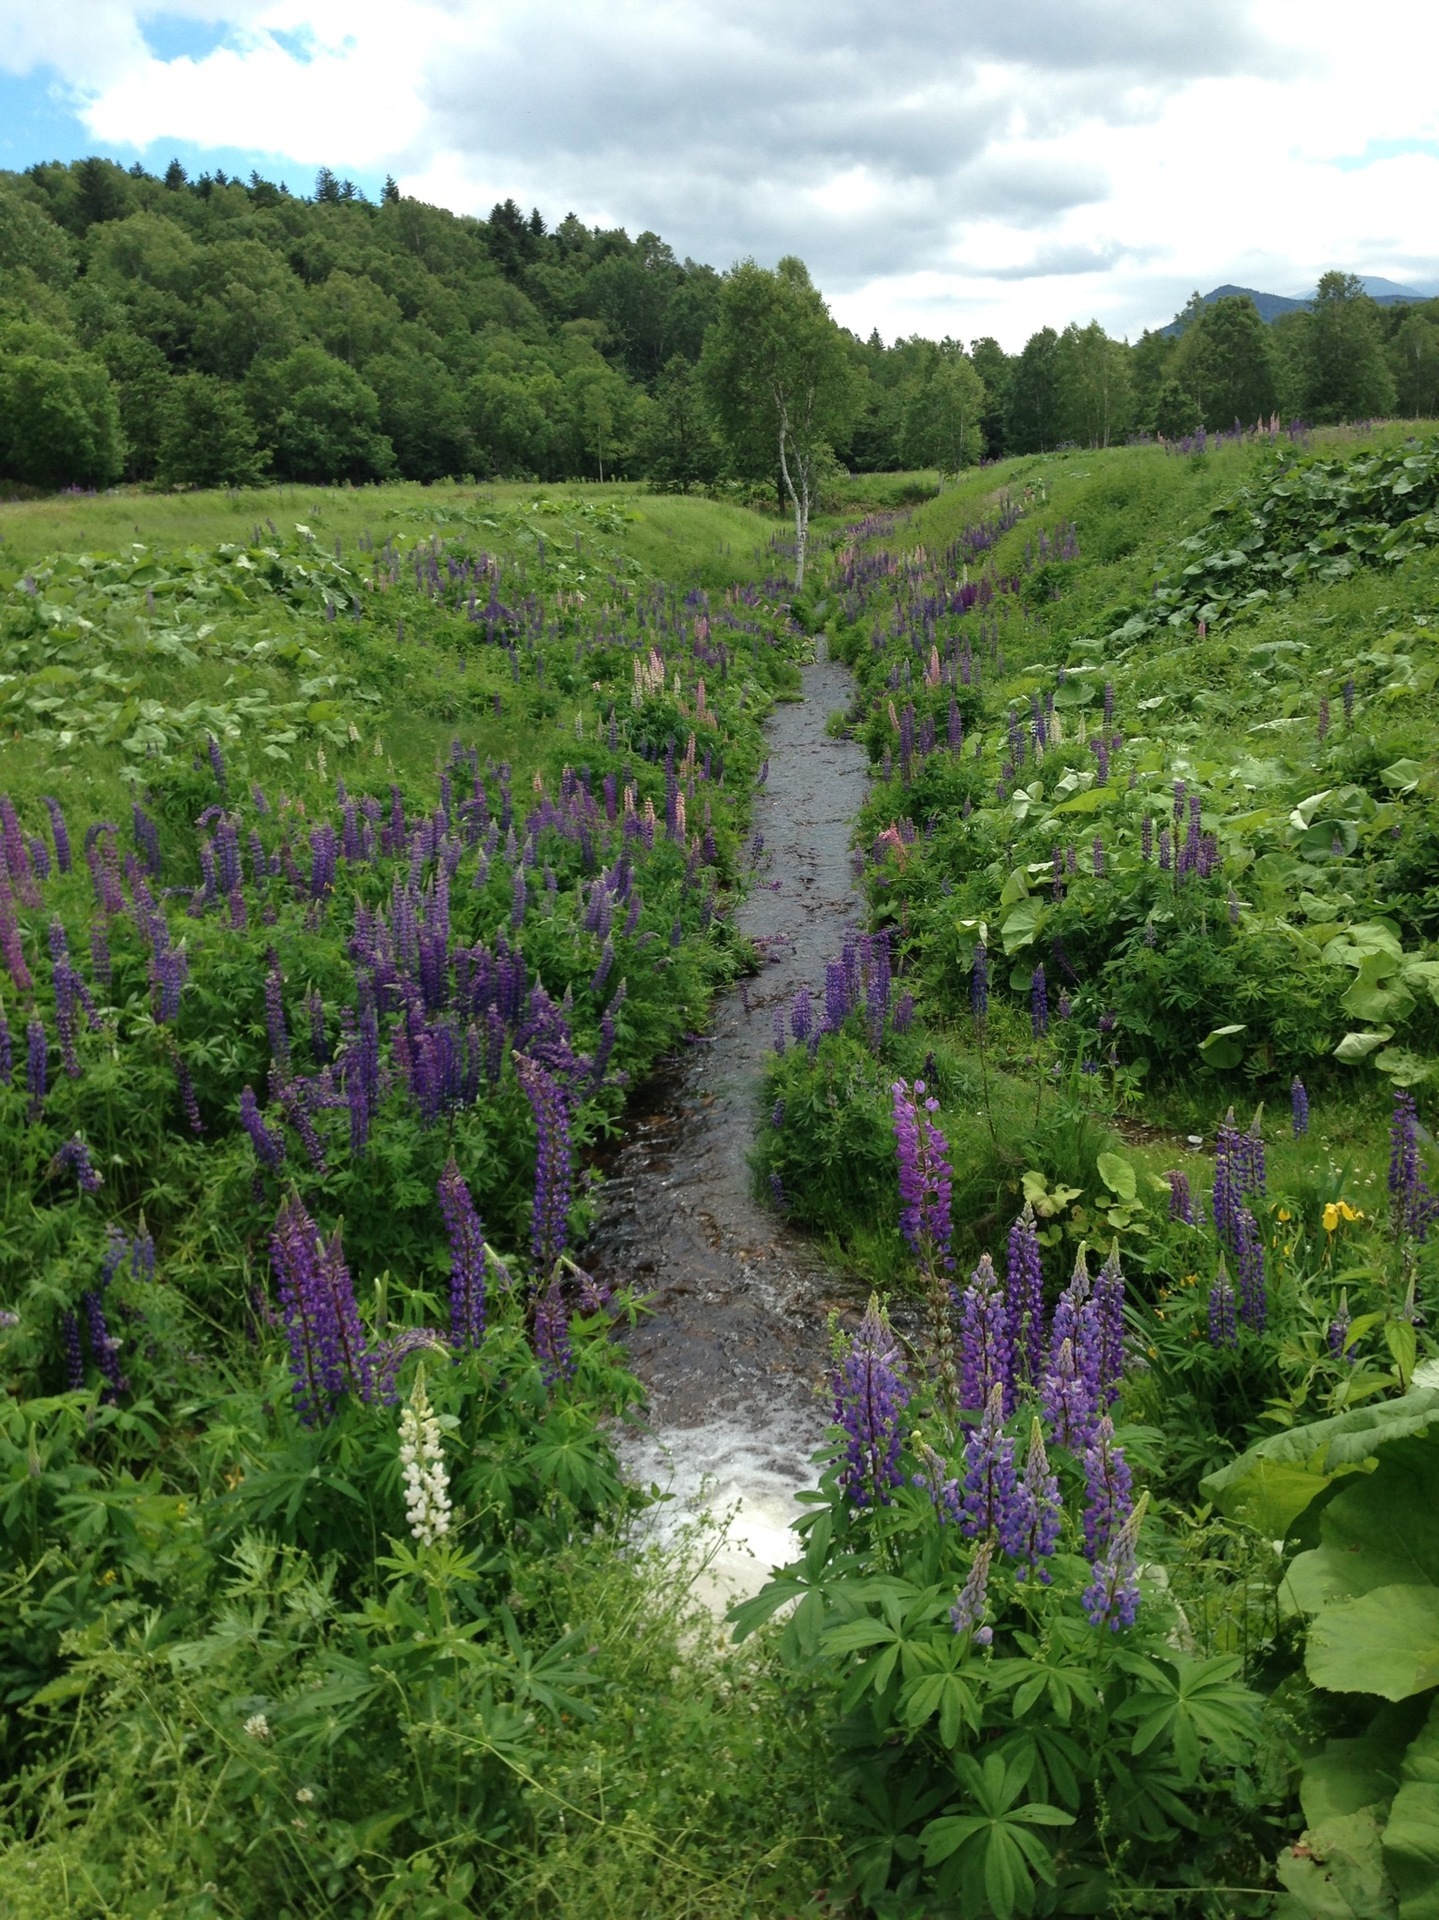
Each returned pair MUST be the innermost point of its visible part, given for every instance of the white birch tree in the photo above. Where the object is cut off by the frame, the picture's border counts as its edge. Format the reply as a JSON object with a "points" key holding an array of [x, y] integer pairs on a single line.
{"points": [[779, 382]]}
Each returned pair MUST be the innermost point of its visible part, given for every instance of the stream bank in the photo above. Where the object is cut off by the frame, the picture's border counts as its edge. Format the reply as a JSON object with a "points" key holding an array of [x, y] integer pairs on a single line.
{"points": [[732, 1349]]}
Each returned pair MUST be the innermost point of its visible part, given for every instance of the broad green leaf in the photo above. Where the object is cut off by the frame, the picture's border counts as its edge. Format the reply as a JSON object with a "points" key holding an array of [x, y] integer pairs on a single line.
{"points": [[1271, 1485], [1022, 923], [1380, 1531], [1090, 801], [1118, 1175], [1337, 1873], [1385, 1642], [1223, 1048], [1404, 1068], [1411, 1849], [1404, 775], [1355, 1047]]}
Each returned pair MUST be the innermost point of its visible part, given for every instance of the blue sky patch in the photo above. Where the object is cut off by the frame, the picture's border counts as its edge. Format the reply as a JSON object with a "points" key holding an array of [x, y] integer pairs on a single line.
{"points": [[170, 36], [1376, 150]]}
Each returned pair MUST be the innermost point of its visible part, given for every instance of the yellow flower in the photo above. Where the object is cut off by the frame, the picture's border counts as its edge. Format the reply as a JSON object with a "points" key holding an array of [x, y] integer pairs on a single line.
{"points": [[1346, 1212], [1331, 1217], [1284, 1214]]}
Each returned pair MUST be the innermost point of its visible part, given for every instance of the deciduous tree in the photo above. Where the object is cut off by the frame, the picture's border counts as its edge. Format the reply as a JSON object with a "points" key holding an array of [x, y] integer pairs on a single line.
{"points": [[779, 381]]}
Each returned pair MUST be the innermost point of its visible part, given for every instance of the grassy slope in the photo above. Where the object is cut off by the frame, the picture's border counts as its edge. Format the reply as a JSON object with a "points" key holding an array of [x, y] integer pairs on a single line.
{"points": [[1242, 726]]}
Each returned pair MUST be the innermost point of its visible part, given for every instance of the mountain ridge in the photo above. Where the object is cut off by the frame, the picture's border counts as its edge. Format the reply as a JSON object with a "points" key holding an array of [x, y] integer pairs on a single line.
{"points": [[1384, 293]]}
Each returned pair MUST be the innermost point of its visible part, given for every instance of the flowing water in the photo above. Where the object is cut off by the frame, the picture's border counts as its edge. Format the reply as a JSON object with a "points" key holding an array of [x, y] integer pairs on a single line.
{"points": [[733, 1352]]}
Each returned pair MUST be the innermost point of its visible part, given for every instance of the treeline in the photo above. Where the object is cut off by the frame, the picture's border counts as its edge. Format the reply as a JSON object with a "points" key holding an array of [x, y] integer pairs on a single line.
{"points": [[215, 332]]}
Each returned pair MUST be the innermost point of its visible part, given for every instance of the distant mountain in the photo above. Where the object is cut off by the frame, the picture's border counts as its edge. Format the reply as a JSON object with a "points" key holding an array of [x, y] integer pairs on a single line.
{"points": [[1384, 293]]}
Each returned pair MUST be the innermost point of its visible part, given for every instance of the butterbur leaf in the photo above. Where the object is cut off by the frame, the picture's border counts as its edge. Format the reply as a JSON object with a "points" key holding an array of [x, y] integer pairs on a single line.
{"points": [[1355, 1047], [1385, 1642], [1118, 1175], [1223, 1048]]}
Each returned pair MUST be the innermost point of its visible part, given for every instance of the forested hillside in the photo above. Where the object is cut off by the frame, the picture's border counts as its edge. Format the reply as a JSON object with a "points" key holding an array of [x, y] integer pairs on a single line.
{"points": [[215, 332]]}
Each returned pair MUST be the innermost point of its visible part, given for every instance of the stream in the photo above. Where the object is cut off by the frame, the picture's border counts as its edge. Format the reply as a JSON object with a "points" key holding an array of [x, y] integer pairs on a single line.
{"points": [[732, 1349]]}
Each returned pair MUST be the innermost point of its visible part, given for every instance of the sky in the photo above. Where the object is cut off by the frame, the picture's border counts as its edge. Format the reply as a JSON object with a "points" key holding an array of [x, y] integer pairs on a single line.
{"points": [[944, 167]]}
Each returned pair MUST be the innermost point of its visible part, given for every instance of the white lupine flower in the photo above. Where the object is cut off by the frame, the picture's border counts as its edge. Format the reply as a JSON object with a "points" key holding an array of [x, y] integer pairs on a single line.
{"points": [[427, 1484]]}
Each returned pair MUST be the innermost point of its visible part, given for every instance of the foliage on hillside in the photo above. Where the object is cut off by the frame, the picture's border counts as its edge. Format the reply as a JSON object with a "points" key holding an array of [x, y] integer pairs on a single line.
{"points": [[1152, 973], [215, 332], [313, 1010]]}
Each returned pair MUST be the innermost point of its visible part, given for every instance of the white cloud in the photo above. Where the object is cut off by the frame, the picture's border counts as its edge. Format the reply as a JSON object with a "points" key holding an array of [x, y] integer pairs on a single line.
{"points": [[955, 167]]}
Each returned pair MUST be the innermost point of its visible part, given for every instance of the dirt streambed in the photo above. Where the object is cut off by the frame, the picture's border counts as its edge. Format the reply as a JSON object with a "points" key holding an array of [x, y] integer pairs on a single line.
{"points": [[733, 1352]]}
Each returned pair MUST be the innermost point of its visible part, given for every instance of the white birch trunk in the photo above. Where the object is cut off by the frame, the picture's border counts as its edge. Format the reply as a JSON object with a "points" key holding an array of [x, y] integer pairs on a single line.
{"points": [[798, 493]]}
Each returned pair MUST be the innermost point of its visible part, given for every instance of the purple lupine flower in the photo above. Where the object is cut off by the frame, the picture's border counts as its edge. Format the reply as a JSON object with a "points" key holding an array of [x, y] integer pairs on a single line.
{"points": [[324, 858], [269, 1147], [903, 1013], [871, 1391], [1108, 1487], [602, 971], [1323, 723], [467, 1259], [36, 1059], [74, 1354], [1252, 1179], [979, 985], [1096, 854], [188, 1099], [276, 1030], [967, 1613], [549, 1230], [777, 1025], [1230, 1169], [992, 1499], [7, 1049], [1298, 1107], [776, 1118], [941, 1486], [836, 995], [60, 833], [170, 969], [142, 1254], [1038, 1003], [986, 1343], [1041, 1510], [217, 763], [924, 1173], [349, 1362], [1166, 850], [1109, 1316], [1181, 1201], [1024, 1295], [104, 1346], [800, 1018], [1339, 1329], [1249, 1261], [1067, 1399], [776, 1193], [1223, 1310], [519, 899], [1411, 1209], [328, 1353], [319, 1045], [74, 1157], [552, 1336], [113, 1258], [1146, 838], [1112, 1597]]}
